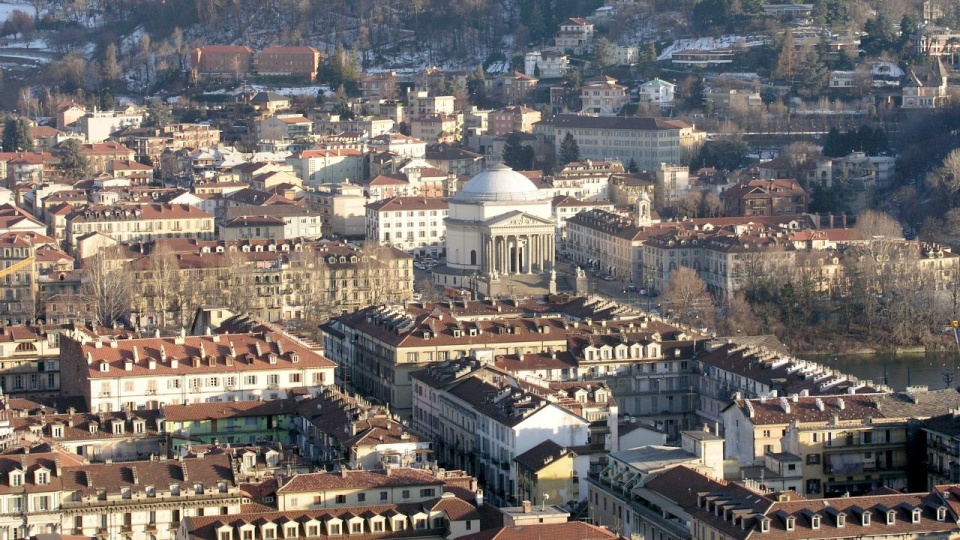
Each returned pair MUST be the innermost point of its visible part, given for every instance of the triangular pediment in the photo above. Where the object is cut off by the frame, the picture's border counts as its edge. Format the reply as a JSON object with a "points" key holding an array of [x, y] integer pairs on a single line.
{"points": [[517, 218]]}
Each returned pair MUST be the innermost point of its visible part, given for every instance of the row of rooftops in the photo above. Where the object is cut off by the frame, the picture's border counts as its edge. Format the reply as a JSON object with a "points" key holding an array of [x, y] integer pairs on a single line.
{"points": [[203, 354], [51, 470]]}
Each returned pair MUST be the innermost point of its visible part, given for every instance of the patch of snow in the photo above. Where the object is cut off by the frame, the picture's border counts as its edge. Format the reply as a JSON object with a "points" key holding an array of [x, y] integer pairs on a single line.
{"points": [[36, 58], [711, 44], [38, 44], [7, 7]]}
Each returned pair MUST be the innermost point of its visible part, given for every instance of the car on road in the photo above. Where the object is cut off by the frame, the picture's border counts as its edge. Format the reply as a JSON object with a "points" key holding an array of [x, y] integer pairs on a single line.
{"points": [[607, 277]]}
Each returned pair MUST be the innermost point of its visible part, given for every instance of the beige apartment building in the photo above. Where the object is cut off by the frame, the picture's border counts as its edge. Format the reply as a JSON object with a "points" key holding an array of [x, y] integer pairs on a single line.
{"points": [[140, 223], [149, 373], [648, 142]]}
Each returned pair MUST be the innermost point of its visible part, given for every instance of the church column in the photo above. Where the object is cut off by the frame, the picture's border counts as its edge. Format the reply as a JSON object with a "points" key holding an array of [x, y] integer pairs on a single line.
{"points": [[540, 252], [538, 239], [487, 251], [534, 258], [519, 251], [551, 248], [504, 251], [528, 254]]}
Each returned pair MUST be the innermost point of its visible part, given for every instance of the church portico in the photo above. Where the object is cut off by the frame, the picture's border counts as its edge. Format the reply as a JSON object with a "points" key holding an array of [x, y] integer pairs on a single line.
{"points": [[500, 236]]}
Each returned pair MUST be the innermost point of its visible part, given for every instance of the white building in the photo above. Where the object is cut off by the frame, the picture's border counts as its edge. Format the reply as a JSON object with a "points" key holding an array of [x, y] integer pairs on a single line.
{"points": [[316, 167], [152, 372], [500, 235], [602, 96], [488, 416], [400, 145], [657, 91], [341, 208], [546, 64], [97, 126], [414, 224], [647, 141]]}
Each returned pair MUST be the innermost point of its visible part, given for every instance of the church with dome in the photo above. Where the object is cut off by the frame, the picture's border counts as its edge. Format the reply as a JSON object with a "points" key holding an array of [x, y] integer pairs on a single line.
{"points": [[500, 237]]}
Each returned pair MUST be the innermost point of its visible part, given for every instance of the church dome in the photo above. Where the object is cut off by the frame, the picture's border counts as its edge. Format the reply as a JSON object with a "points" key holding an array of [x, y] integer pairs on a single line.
{"points": [[499, 184]]}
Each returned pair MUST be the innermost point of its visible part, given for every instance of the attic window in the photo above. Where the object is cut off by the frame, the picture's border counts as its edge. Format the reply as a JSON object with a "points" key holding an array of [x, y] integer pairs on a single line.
{"points": [[941, 513], [273, 359], [891, 517], [841, 520], [865, 519], [295, 358], [16, 479], [916, 515], [765, 525], [791, 523], [815, 523]]}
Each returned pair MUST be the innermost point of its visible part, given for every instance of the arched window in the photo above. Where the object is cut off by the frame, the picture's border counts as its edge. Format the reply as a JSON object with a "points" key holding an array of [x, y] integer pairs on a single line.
{"points": [[473, 256]]}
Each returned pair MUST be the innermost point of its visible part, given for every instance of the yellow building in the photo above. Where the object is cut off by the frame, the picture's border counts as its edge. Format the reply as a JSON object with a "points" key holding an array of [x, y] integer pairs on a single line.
{"points": [[851, 443], [546, 473]]}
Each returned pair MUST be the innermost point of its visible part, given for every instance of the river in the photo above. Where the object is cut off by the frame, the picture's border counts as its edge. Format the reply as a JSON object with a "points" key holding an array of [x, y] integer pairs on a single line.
{"points": [[899, 370]]}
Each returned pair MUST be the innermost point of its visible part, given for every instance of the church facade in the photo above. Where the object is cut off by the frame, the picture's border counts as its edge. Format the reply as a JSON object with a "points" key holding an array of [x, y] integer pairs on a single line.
{"points": [[501, 237]]}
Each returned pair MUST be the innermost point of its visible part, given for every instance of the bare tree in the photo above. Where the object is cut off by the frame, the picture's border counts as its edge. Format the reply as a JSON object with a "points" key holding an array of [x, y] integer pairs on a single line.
{"points": [[879, 225], [111, 70], [687, 296], [106, 286]]}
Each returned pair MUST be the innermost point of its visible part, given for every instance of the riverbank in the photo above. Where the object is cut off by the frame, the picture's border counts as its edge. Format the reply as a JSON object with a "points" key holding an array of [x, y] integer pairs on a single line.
{"points": [[934, 369]]}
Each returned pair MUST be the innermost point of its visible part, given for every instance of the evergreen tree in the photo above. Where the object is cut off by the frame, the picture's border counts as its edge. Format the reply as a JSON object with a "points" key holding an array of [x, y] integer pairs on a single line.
{"points": [[16, 136], [569, 149], [787, 61], [73, 164], [517, 155], [633, 167], [158, 114], [603, 54]]}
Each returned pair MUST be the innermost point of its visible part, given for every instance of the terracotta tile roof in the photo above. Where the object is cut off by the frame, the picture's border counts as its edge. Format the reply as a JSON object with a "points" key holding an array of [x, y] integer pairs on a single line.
{"points": [[326, 153], [96, 213], [570, 529], [205, 527], [253, 221], [226, 49], [87, 426], [347, 479], [227, 409], [681, 485], [388, 180], [408, 203], [541, 455], [197, 354], [209, 471], [289, 49]]}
